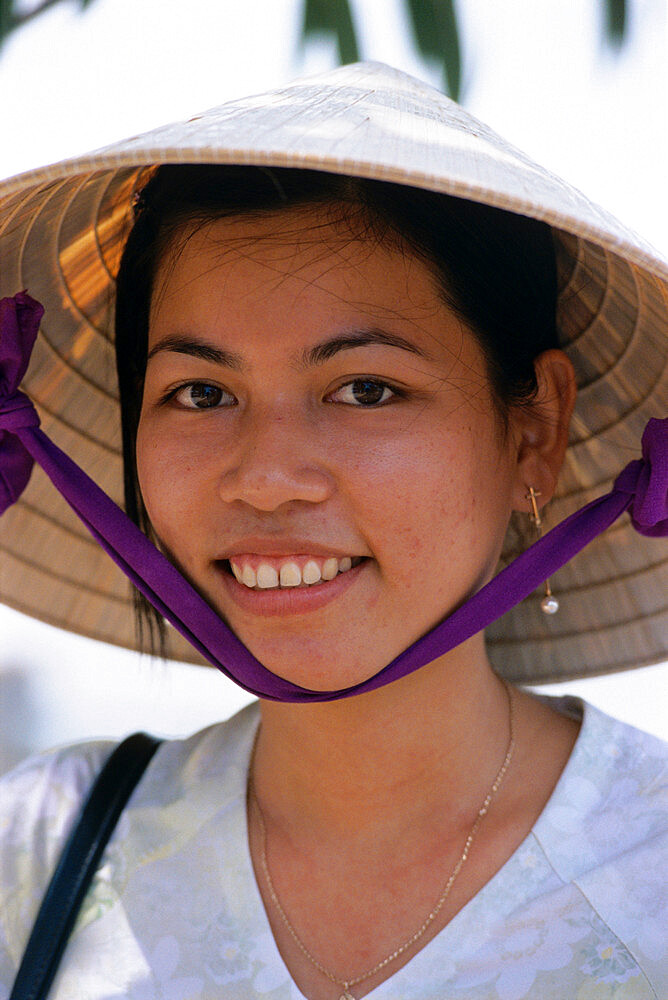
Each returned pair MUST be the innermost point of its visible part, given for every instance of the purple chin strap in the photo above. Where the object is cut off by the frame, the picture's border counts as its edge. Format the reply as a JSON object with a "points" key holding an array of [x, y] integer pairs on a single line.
{"points": [[641, 488]]}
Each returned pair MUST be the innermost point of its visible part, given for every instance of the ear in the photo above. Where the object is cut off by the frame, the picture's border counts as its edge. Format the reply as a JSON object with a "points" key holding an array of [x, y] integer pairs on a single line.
{"points": [[541, 428]]}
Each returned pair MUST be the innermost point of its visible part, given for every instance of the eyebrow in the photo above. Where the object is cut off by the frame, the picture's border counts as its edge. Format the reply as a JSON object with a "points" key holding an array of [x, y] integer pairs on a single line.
{"points": [[309, 358], [196, 348], [322, 352]]}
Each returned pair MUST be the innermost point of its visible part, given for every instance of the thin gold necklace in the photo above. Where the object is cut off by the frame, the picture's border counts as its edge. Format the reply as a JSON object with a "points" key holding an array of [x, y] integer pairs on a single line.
{"points": [[347, 984]]}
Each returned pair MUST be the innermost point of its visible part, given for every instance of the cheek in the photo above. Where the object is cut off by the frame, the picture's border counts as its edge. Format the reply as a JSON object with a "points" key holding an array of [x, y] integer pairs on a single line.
{"points": [[166, 472], [408, 494], [438, 508]]}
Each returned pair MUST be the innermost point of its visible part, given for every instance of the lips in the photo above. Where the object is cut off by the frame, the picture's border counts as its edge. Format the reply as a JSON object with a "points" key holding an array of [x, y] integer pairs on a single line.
{"points": [[287, 599]]}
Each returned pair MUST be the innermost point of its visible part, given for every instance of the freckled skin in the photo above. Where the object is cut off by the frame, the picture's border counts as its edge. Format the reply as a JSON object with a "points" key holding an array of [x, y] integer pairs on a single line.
{"points": [[422, 485]]}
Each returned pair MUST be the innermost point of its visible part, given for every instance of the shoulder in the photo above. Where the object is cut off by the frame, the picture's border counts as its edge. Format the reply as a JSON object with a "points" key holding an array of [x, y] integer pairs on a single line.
{"points": [[605, 832], [41, 799], [39, 802], [612, 796]]}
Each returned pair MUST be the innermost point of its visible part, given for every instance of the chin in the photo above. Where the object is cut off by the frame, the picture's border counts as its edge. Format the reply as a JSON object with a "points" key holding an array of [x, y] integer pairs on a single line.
{"points": [[312, 664]]}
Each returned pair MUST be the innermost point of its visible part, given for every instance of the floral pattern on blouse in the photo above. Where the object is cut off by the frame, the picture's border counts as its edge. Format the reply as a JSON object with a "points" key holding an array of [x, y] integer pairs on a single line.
{"points": [[579, 911]]}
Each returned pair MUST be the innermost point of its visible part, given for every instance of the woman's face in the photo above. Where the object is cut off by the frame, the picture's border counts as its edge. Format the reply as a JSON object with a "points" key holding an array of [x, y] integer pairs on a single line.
{"points": [[316, 421]]}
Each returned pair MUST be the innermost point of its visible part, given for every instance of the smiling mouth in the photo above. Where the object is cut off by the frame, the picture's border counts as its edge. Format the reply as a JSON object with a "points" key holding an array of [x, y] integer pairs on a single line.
{"points": [[289, 573]]}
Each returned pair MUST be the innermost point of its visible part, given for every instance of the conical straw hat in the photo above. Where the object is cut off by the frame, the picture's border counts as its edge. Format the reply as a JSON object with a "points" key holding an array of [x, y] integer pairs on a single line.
{"points": [[62, 229]]}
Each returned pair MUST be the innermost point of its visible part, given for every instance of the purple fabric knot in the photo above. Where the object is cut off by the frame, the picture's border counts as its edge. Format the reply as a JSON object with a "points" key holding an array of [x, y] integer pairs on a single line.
{"points": [[646, 481], [20, 317], [16, 412], [19, 322]]}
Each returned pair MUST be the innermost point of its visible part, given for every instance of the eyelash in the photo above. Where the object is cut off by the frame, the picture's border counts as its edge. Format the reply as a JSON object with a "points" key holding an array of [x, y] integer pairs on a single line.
{"points": [[173, 394], [376, 383]]}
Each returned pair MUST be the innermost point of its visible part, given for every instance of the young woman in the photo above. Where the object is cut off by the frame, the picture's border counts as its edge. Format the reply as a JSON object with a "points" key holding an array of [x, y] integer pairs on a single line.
{"points": [[340, 379]]}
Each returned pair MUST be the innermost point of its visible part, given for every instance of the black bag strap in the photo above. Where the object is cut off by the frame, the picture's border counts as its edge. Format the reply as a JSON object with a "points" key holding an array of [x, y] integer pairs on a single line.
{"points": [[78, 863]]}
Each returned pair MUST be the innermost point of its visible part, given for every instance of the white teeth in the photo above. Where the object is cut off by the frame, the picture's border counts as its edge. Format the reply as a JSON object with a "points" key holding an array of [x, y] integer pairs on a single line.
{"points": [[248, 576], [290, 575], [266, 576], [311, 572], [330, 568]]}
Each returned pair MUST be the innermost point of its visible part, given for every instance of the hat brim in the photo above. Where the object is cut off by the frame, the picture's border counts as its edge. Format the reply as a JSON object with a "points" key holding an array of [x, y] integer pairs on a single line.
{"points": [[62, 229]]}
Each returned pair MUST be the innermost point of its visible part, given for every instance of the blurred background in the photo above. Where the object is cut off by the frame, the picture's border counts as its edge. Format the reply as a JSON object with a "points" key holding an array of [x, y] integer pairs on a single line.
{"points": [[581, 86]]}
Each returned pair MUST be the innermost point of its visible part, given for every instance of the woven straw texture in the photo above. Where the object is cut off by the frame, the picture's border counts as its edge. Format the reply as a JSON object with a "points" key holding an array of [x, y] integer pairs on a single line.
{"points": [[62, 229]]}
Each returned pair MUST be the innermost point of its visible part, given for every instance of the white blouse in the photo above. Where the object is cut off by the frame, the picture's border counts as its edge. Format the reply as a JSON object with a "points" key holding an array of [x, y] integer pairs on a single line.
{"points": [[579, 912]]}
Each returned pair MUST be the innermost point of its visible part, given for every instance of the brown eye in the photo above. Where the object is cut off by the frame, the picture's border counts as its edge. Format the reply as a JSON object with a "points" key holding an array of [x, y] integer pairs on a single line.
{"points": [[203, 396], [364, 392]]}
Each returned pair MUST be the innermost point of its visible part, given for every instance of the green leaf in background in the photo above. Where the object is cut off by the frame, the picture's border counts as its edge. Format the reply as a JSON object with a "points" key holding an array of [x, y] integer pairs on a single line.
{"points": [[437, 37], [332, 17], [434, 24], [6, 19], [11, 19], [615, 21]]}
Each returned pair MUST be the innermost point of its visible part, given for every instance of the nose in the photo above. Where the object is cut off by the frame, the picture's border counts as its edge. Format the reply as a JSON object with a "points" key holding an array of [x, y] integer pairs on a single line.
{"points": [[276, 460]]}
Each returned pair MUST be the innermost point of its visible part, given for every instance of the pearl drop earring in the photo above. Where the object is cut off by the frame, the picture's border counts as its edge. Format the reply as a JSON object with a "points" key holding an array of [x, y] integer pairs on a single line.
{"points": [[549, 604]]}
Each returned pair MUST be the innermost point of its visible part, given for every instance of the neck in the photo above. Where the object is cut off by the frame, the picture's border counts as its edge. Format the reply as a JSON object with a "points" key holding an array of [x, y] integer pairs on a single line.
{"points": [[389, 758]]}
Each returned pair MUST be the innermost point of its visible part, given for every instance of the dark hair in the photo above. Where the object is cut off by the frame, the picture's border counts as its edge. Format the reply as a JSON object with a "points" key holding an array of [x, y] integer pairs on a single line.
{"points": [[496, 269]]}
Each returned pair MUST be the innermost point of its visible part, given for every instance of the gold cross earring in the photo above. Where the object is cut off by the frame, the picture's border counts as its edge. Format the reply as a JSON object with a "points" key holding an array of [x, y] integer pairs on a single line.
{"points": [[549, 604]]}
